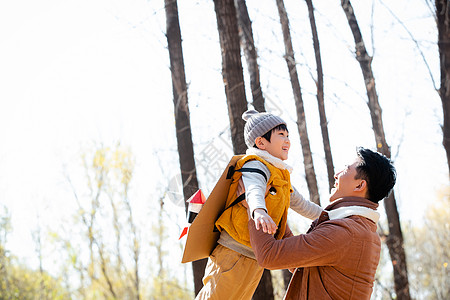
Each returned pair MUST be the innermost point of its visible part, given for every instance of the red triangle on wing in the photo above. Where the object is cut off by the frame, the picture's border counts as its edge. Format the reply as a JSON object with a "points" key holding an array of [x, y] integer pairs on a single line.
{"points": [[184, 232]]}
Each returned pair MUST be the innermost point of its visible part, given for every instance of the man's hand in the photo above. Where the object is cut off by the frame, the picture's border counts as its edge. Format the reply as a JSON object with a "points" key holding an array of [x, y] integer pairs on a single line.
{"points": [[264, 221]]}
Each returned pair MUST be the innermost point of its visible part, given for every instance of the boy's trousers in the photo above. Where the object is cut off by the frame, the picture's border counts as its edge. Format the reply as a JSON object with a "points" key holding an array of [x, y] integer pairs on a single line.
{"points": [[230, 275]]}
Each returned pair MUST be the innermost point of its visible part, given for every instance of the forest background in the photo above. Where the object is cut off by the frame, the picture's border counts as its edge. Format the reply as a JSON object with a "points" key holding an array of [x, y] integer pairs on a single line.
{"points": [[87, 125]]}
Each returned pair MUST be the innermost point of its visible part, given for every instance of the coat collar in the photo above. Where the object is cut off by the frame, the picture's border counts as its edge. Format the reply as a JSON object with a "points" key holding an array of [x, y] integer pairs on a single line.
{"points": [[275, 161], [350, 206]]}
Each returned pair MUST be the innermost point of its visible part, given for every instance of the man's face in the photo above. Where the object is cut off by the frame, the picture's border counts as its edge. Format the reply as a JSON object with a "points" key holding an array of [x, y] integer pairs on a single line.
{"points": [[345, 182], [279, 144]]}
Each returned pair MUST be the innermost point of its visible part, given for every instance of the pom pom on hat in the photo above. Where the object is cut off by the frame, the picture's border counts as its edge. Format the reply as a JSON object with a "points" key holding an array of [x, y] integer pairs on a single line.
{"points": [[257, 124], [248, 114]]}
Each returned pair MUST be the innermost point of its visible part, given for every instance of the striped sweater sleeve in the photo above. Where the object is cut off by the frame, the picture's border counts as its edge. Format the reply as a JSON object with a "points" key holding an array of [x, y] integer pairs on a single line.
{"points": [[304, 207]]}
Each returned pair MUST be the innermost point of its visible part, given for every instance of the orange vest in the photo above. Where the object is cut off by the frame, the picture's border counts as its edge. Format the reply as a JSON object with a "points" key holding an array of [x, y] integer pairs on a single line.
{"points": [[234, 219]]}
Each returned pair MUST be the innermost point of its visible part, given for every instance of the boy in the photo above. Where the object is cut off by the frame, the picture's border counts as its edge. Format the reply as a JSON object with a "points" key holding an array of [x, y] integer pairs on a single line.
{"points": [[232, 271]]}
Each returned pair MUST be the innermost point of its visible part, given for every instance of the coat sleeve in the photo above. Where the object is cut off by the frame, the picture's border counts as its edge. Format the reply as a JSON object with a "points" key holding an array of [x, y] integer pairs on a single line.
{"points": [[304, 207], [324, 246], [287, 232]]}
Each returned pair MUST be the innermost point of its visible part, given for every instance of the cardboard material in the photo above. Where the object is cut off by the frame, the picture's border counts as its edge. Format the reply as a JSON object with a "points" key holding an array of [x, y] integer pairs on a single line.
{"points": [[201, 239]]}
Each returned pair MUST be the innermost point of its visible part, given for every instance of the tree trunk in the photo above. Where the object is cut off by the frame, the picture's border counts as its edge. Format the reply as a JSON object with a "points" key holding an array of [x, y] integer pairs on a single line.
{"points": [[301, 120], [264, 291], [394, 239], [443, 24], [248, 45], [320, 98], [182, 119], [233, 77]]}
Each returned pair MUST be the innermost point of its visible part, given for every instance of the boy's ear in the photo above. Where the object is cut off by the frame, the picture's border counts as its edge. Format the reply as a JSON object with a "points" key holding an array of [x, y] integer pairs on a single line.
{"points": [[259, 142]]}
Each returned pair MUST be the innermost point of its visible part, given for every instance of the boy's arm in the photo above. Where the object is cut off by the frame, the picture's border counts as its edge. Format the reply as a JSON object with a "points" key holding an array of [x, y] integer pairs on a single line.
{"points": [[255, 191], [304, 207], [255, 185]]}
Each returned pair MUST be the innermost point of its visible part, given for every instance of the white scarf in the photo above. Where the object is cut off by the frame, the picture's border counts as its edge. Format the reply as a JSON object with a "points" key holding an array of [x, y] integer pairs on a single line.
{"points": [[275, 161], [343, 212]]}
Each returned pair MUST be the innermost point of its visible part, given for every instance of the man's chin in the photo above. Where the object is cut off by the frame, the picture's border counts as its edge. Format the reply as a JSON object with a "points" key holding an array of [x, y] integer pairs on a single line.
{"points": [[332, 196]]}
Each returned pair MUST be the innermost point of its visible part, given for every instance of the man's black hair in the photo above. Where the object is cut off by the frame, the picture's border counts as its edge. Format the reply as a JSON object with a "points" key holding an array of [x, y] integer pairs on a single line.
{"points": [[268, 134], [378, 171]]}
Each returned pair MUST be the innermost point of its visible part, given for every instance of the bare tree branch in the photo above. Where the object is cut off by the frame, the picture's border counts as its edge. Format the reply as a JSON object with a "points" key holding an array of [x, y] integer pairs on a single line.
{"points": [[415, 42]]}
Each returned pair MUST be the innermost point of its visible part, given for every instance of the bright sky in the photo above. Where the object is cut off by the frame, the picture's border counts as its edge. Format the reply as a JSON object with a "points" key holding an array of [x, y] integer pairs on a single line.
{"points": [[77, 72]]}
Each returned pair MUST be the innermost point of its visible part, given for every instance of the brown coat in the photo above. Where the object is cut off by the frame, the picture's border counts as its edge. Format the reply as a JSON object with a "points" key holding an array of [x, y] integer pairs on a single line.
{"points": [[335, 259]]}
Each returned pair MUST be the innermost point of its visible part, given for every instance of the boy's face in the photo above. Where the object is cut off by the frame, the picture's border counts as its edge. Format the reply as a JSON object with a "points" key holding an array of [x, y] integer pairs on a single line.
{"points": [[278, 146]]}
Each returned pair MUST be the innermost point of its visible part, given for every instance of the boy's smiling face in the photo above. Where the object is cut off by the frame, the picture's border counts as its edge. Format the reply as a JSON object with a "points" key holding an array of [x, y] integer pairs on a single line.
{"points": [[278, 146]]}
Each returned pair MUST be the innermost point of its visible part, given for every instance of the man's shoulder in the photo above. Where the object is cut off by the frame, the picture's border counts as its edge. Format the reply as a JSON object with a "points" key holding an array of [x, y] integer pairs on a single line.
{"points": [[355, 227]]}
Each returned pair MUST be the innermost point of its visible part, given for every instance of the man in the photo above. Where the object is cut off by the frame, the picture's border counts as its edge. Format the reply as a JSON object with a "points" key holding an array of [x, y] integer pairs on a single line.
{"points": [[337, 258]]}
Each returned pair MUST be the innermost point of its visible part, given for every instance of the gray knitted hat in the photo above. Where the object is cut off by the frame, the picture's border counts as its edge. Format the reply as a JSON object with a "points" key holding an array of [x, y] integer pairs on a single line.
{"points": [[257, 124]]}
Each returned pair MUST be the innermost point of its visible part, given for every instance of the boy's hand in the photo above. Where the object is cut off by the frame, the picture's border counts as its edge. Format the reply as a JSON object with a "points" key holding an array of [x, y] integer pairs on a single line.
{"points": [[263, 220]]}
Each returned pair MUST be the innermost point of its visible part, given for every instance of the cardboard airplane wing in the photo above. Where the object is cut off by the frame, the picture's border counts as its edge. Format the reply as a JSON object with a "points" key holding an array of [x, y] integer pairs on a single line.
{"points": [[201, 238]]}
